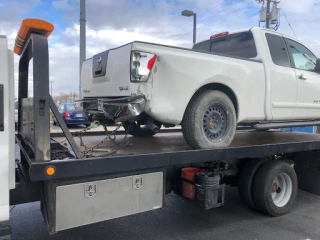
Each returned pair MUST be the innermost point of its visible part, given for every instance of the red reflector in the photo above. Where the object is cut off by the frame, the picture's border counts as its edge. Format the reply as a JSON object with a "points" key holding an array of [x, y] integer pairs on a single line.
{"points": [[66, 115], [151, 62], [219, 35]]}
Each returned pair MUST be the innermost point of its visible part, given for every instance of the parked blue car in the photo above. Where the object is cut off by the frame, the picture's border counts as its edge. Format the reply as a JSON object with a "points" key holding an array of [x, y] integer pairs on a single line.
{"points": [[71, 116]]}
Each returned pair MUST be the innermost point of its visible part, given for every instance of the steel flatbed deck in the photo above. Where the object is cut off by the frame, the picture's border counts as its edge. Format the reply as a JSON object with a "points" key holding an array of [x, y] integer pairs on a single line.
{"points": [[170, 149]]}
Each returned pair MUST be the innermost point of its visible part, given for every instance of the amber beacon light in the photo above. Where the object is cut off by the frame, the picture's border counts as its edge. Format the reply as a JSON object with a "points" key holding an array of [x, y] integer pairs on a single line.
{"points": [[29, 26]]}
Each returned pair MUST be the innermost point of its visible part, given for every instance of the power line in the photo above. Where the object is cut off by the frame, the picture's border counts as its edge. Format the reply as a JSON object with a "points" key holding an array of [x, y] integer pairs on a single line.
{"points": [[244, 5], [284, 14], [238, 9], [171, 30], [210, 9], [185, 23], [213, 15]]}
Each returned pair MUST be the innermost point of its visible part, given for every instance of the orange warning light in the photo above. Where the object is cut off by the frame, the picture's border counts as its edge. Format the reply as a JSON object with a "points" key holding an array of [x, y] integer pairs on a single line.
{"points": [[28, 26], [50, 171]]}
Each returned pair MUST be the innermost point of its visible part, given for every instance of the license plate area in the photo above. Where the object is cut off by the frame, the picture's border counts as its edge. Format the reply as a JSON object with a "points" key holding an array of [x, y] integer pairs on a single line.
{"points": [[100, 105], [79, 115]]}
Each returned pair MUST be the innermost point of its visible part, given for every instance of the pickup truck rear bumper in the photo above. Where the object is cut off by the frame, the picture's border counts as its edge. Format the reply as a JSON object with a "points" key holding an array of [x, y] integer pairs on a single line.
{"points": [[116, 109]]}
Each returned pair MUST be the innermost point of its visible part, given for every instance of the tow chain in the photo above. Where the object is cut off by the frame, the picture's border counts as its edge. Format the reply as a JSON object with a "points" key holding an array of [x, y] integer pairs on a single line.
{"points": [[88, 152]]}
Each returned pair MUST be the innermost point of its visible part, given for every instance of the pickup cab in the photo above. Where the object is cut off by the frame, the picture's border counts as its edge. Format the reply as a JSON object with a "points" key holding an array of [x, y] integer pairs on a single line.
{"points": [[254, 77]]}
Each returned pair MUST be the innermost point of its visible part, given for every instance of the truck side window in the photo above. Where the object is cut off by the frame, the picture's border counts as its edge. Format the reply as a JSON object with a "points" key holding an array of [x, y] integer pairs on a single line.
{"points": [[236, 44], [218, 46], [241, 45], [278, 50], [302, 57], [202, 46]]}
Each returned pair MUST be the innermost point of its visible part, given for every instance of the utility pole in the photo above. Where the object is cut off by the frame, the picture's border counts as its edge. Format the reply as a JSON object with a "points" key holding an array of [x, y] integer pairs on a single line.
{"points": [[268, 14], [82, 40], [270, 17]]}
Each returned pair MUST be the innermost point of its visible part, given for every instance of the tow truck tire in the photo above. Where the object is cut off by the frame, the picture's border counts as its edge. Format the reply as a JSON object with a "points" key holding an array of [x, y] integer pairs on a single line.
{"points": [[136, 130], [209, 121], [275, 188], [246, 178]]}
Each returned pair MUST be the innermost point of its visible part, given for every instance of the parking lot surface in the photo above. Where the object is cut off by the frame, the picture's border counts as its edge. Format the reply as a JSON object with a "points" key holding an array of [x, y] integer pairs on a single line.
{"points": [[183, 219]]}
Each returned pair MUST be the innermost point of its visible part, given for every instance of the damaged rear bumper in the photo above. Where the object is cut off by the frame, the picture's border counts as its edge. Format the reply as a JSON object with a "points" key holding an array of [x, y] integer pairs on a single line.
{"points": [[116, 109]]}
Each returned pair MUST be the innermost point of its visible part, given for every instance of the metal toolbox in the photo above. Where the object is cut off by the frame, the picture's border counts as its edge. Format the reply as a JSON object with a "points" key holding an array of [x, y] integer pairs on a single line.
{"points": [[88, 202]]}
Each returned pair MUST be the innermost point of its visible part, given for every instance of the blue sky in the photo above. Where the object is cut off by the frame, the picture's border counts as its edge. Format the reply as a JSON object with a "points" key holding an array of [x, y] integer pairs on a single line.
{"points": [[113, 23]]}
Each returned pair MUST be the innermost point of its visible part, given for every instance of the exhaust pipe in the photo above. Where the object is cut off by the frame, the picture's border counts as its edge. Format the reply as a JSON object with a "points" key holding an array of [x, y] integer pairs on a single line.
{"points": [[152, 126]]}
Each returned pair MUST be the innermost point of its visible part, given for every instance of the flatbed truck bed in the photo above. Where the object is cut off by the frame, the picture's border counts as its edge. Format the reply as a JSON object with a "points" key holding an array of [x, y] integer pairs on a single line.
{"points": [[174, 142], [170, 149]]}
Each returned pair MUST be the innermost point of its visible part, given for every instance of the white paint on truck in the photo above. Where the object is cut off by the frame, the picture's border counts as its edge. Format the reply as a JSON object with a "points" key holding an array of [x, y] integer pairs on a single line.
{"points": [[276, 82], [7, 145]]}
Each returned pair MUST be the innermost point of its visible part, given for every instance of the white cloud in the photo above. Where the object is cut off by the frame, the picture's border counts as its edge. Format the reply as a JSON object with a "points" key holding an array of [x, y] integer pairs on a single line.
{"points": [[300, 7], [113, 23]]}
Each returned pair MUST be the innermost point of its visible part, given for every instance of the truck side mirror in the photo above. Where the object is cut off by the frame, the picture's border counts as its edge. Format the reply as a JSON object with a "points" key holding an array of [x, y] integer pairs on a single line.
{"points": [[317, 65]]}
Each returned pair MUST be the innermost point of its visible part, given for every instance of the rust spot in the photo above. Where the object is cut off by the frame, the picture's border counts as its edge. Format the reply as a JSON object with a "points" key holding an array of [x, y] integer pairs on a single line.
{"points": [[274, 187]]}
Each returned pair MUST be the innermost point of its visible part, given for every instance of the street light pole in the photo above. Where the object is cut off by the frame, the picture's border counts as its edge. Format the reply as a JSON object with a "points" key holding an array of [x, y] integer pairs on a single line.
{"points": [[188, 13], [194, 28], [51, 82]]}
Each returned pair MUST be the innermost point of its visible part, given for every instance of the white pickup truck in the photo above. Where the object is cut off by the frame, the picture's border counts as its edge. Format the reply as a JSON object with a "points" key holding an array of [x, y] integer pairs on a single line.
{"points": [[256, 77]]}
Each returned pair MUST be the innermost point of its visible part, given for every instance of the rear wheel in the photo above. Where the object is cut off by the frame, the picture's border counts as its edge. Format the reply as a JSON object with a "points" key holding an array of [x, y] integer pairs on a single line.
{"points": [[209, 120], [136, 130], [246, 177], [275, 188]]}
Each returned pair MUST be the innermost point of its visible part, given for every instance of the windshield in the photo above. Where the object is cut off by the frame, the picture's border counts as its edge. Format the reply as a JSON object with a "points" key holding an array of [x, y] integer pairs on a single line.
{"points": [[302, 57], [70, 107]]}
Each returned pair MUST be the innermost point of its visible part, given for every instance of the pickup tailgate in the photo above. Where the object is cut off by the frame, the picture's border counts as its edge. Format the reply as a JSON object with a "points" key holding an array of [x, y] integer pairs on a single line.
{"points": [[107, 74]]}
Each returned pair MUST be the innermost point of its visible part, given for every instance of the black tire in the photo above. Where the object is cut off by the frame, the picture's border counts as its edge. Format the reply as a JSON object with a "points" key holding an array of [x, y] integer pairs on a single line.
{"points": [[262, 130], [136, 130], [198, 126], [246, 178], [264, 185]]}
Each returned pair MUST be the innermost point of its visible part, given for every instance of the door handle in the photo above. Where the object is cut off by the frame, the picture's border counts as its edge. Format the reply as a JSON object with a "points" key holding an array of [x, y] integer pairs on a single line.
{"points": [[302, 77]]}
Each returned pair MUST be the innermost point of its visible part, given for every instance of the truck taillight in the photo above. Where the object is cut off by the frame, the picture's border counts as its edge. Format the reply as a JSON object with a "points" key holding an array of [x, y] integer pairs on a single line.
{"points": [[66, 115], [151, 62], [141, 65]]}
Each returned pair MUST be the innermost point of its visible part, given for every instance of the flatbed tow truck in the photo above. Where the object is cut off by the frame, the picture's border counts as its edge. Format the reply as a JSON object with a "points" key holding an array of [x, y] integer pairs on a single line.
{"points": [[76, 190]]}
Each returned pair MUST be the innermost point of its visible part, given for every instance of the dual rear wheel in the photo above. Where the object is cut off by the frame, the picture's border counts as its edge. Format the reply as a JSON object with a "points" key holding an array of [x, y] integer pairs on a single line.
{"points": [[268, 186]]}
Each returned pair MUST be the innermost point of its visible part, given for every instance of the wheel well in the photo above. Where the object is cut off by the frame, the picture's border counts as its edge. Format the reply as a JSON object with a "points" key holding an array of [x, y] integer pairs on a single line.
{"points": [[224, 89]]}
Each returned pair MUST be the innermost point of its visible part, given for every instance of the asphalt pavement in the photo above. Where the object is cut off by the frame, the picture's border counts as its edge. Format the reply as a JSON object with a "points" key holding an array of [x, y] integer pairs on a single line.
{"points": [[183, 219]]}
